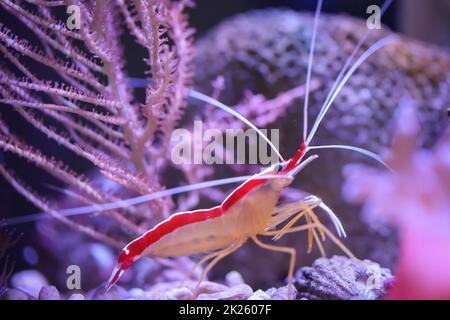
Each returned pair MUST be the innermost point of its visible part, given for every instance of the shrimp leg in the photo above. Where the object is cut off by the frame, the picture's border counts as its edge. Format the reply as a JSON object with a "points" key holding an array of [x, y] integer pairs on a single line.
{"points": [[219, 256], [289, 250], [284, 212], [198, 264], [312, 234], [272, 233], [311, 221], [300, 208], [319, 226], [306, 205], [312, 218]]}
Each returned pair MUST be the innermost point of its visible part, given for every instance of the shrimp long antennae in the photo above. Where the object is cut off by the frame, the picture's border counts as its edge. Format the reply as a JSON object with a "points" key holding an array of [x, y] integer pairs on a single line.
{"points": [[139, 82], [337, 223], [368, 53], [301, 165], [202, 97], [363, 39], [362, 151], [136, 200], [310, 63]]}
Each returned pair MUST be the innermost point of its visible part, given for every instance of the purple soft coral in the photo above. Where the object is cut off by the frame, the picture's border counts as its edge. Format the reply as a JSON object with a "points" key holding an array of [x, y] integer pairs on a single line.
{"points": [[414, 198], [71, 85]]}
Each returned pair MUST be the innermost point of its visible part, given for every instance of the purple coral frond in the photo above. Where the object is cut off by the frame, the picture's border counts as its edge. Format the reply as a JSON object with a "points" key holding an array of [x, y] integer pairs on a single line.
{"points": [[84, 104]]}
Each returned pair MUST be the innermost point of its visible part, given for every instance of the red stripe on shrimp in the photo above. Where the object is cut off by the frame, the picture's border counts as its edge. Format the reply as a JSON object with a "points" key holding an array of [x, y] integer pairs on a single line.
{"points": [[241, 192], [132, 251], [184, 218], [135, 248], [166, 227]]}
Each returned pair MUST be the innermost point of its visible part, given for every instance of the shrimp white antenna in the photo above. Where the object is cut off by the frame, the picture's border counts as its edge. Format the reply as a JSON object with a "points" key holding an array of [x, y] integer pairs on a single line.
{"points": [[365, 152], [136, 200], [303, 164], [139, 83], [385, 6], [337, 223], [202, 97], [369, 52], [310, 63]]}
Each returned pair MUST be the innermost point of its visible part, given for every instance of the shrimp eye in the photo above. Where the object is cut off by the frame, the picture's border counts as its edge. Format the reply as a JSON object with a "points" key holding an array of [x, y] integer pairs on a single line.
{"points": [[279, 167]]}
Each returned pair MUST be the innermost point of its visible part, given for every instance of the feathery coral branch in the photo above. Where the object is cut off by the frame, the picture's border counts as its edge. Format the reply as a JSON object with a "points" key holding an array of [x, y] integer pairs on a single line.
{"points": [[82, 102]]}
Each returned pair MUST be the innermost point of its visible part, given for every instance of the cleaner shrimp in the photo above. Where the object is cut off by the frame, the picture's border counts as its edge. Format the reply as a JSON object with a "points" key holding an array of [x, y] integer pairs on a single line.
{"points": [[252, 209]]}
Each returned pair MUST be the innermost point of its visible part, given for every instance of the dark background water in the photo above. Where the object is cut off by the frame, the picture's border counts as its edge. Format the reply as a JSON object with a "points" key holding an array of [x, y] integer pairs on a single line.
{"points": [[208, 13]]}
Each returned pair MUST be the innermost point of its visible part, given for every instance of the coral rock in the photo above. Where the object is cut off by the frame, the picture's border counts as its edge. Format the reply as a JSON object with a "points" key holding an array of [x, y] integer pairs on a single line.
{"points": [[259, 295], [30, 281], [173, 291], [49, 293], [234, 278], [179, 294], [208, 287], [16, 294], [282, 293], [341, 278], [167, 291], [116, 293], [76, 296], [240, 292]]}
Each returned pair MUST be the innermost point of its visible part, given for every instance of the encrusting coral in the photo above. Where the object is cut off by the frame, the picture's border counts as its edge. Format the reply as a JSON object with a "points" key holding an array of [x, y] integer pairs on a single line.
{"points": [[340, 278], [335, 278], [31, 285]]}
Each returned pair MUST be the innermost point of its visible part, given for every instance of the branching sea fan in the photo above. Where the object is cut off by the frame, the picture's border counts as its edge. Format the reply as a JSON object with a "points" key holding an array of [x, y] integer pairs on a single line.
{"points": [[71, 85]]}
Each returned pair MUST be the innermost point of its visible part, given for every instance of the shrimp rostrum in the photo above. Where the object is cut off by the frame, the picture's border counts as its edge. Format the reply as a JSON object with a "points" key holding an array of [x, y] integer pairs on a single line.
{"points": [[252, 210]]}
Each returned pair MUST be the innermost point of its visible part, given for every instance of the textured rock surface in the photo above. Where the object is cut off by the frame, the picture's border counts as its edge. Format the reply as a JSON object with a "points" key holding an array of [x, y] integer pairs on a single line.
{"points": [[259, 295], [335, 278], [76, 296], [267, 52], [341, 278], [49, 293], [239, 292], [16, 294], [282, 293], [29, 281]]}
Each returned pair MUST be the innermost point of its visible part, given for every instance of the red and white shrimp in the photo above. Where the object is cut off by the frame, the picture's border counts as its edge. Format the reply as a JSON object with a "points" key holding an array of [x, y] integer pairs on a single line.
{"points": [[249, 211]]}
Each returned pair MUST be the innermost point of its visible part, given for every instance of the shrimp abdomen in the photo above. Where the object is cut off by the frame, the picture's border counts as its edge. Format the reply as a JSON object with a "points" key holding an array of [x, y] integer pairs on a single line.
{"points": [[248, 216]]}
